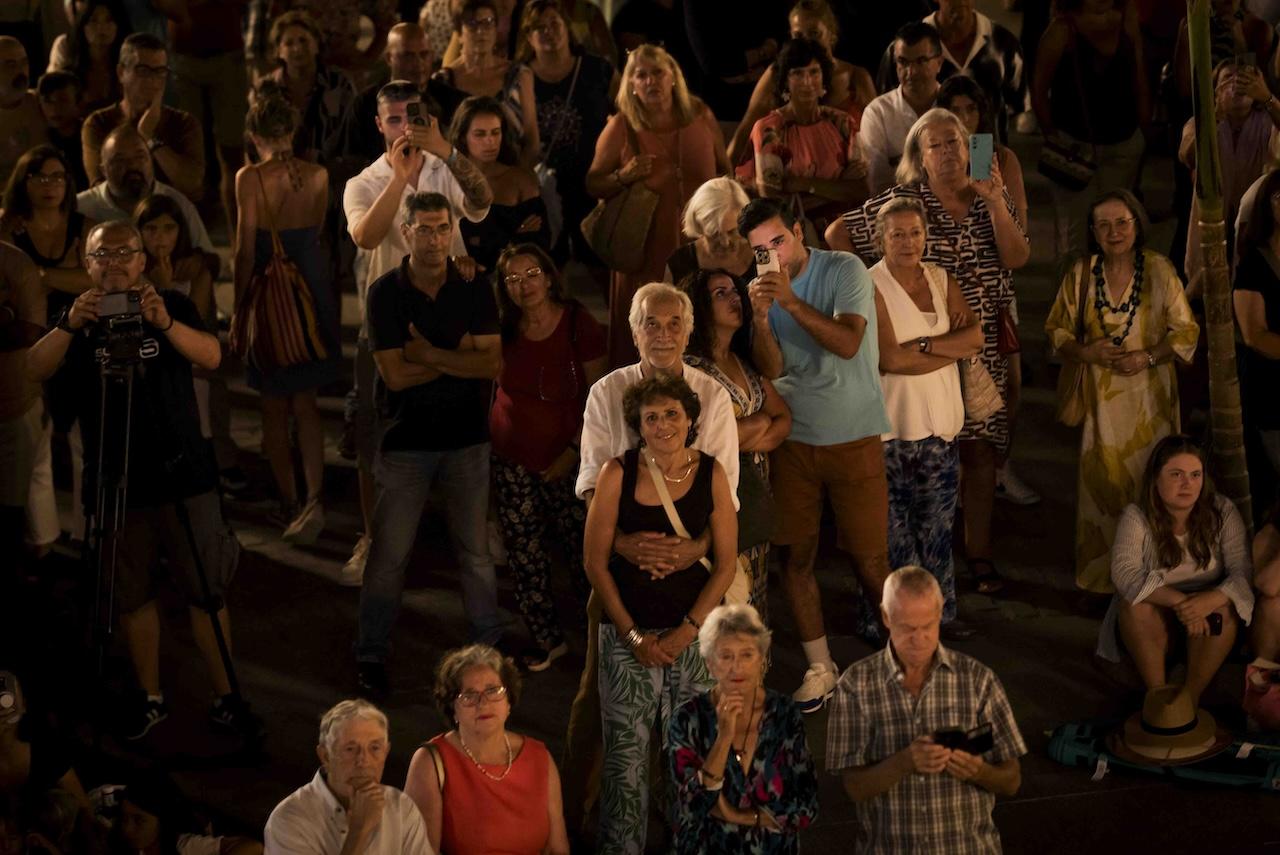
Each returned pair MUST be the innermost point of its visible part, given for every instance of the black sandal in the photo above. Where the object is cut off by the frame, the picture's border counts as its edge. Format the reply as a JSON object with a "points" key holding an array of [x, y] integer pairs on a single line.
{"points": [[990, 581]]}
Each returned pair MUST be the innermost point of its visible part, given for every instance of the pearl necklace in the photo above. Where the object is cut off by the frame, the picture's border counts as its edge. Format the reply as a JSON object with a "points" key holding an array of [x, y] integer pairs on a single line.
{"points": [[483, 771]]}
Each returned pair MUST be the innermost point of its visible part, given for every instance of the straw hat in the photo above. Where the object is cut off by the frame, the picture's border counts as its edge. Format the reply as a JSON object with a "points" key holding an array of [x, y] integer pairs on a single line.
{"points": [[1169, 731]]}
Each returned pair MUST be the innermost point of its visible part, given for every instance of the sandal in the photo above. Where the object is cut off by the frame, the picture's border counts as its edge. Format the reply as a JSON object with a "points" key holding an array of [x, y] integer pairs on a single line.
{"points": [[536, 659], [989, 581]]}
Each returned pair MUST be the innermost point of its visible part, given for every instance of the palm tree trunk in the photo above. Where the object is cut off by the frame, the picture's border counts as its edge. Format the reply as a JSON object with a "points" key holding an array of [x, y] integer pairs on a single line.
{"points": [[1230, 469]]}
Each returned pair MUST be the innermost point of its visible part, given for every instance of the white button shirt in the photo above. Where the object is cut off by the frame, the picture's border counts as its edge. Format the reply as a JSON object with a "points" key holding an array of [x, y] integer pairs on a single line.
{"points": [[364, 189], [882, 135], [311, 821], [605, 433]]}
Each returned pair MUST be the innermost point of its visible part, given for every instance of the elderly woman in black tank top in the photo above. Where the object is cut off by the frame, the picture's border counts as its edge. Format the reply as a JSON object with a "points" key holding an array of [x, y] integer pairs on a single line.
{"points": [[1090, 90]]}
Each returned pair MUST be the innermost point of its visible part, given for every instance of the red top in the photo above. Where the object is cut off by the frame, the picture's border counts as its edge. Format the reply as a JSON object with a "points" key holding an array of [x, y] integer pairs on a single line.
{"points": [[482, 816], [542, 390]]}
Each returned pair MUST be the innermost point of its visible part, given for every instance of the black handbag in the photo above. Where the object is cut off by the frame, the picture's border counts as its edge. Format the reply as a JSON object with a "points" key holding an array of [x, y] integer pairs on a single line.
{"points": [[755, 505]]}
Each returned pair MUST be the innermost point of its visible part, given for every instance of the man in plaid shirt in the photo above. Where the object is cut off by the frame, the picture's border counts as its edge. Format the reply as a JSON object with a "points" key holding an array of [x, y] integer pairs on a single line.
{"points": [[912, 794]]}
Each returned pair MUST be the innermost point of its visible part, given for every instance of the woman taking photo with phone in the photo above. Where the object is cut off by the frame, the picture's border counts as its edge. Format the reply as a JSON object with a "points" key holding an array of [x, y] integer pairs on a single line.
{"points": [[1182, 568]]}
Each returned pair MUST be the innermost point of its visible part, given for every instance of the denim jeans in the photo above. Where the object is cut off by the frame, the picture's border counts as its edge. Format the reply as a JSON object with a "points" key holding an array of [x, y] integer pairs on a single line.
{"points": [[404, 480]]}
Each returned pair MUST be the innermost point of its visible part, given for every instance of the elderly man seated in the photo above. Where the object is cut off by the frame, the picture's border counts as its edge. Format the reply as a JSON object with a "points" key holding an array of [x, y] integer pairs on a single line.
{"points": [[922, 737], [345, 809]]}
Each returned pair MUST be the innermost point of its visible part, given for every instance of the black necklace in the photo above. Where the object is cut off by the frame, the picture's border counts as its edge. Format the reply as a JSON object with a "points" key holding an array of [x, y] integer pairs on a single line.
{"points": [[1129, 306]]}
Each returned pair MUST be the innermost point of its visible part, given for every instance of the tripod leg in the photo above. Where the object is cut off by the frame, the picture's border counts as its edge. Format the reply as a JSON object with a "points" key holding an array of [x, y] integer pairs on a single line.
{"points": [[212, 605]]}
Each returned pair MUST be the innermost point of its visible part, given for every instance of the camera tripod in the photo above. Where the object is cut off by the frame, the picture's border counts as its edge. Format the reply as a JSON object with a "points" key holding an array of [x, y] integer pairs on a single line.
{"points": [[117, 373]]}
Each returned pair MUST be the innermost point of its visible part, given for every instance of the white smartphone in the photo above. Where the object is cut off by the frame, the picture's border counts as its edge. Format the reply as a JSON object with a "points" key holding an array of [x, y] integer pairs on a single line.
{"points": [[767, 261]]}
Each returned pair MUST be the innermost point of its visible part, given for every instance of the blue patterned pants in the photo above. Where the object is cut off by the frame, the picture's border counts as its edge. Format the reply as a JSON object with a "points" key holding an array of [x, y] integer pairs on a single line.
{"points": [[924, 478], [631, 695]]}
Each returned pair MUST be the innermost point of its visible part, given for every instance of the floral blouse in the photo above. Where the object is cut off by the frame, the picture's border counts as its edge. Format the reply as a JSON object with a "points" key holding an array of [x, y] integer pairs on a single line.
{"points": [[782, 781]]}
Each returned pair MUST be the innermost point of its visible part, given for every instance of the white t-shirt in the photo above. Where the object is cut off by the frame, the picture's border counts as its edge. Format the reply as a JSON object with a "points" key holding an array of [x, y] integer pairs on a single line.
{"points": [[363, 190], [96, 204], [882, 135]]}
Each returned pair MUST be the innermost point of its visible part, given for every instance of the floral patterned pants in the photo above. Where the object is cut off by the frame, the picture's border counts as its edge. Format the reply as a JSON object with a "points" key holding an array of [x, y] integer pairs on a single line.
{"points": [[924, 478], [530, 510], [630, 697]]}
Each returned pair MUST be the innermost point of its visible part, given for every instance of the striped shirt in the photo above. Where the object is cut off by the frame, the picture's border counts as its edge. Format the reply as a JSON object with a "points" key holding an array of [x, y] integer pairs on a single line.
{"points": [[874, 716]]}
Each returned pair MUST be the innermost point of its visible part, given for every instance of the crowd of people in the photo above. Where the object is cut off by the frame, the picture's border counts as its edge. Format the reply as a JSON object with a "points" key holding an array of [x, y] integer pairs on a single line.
{"points": [[807, 225]]}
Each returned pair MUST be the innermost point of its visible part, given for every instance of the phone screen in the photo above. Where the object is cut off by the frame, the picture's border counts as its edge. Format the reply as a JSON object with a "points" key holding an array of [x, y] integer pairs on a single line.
{"points": [[981, 150]]}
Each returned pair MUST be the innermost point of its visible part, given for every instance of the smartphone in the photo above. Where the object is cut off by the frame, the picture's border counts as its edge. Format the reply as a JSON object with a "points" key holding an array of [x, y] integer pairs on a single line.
{"points": [[1215, 623], [981, 150], [951, 738], [980, 740], [417, 115], [767, 261]]}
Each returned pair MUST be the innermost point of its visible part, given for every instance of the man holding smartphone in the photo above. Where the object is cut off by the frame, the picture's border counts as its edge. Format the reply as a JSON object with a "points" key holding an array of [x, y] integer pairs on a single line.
{"points": [[815, 336], [892, 712], [417, 159]]}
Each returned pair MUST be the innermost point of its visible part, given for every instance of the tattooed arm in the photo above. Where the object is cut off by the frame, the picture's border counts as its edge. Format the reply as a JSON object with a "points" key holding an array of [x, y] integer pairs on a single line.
{"points": [[476, 192]]}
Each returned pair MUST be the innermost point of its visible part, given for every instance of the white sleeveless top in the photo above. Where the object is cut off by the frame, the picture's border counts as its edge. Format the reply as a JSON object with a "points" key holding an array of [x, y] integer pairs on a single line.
{"points": [[919, 405]]}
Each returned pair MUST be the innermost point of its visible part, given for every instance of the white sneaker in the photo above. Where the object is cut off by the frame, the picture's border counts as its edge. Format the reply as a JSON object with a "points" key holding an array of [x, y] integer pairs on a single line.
{"points": [[1011, 488], [352, 574], [306, 528], [816, 689]]}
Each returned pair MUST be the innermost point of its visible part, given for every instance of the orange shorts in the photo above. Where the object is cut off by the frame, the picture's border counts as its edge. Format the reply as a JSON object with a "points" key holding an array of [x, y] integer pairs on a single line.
{"points": [[852, 474]]}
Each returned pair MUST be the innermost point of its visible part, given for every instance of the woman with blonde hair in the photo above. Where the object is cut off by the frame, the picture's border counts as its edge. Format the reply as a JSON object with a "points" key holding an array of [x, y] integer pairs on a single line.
{"points": [[974, 235], [670, 140]]}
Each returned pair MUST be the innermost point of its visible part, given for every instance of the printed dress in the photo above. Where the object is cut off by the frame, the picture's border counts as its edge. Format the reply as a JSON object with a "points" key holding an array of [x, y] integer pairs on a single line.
{"points": [[782, 781], [1124, 416], [747, 402], [967, 250]]}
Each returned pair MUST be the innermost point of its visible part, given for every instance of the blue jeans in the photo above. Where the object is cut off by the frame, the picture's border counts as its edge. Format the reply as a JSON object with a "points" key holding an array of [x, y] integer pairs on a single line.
{"points": [[404, 480]]}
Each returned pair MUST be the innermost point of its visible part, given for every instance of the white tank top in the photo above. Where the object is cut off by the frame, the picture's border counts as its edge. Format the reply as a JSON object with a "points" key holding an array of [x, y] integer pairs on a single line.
{"points": [[919, 405]]}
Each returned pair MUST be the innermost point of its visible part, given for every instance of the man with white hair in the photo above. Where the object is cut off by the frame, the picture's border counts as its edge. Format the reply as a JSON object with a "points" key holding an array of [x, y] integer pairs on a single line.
{"points": [[922, 737], [661, 319], [346, 809]]}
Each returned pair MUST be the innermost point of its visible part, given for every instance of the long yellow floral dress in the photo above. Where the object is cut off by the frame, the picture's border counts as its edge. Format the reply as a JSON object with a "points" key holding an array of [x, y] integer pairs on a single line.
{"points": [[1125, 416]]}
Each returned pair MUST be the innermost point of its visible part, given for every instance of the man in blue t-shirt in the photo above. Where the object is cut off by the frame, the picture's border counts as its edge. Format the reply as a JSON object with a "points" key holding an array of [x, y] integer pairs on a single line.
{"points": [[815, 336]]}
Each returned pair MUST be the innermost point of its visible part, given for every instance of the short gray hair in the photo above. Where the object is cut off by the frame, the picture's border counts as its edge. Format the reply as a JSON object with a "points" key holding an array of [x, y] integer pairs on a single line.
{"points": [[898, 205], [911, 579], [661, 292], [113, 227], [737, 619], [708, 205], [343, 713], [911, 167]]}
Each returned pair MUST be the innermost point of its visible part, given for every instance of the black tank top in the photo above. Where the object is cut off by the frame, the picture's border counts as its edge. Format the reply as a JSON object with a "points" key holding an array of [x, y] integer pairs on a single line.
{"points": [[1108, 92], [662, 603]]}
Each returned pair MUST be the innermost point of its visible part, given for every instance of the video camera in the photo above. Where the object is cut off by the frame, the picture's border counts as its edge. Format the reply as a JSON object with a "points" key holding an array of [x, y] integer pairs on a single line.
{"points": [[120, 319]]}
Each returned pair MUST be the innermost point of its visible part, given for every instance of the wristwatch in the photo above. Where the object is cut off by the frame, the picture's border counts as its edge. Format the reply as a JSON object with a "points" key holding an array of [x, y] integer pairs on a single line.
{"points": [[923, 344], [155, 144], [453, 156], [64, 321]]}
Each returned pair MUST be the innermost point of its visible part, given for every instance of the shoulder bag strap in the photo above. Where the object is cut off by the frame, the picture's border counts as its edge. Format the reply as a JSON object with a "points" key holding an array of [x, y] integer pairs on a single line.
{"points": [[564, 115], [1080, 296], [673, 516], [434, 751]]}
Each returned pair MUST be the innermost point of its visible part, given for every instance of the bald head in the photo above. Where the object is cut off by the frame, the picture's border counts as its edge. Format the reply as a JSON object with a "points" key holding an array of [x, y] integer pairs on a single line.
{"points": [[409, 54]]}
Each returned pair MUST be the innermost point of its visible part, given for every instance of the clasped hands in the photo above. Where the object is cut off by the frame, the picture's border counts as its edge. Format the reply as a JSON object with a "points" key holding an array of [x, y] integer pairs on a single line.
{"points": [[926, 757]]}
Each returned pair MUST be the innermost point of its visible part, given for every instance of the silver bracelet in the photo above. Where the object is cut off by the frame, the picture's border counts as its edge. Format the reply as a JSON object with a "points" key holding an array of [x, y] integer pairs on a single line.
{"points": [[711, 788], [633, 638]]}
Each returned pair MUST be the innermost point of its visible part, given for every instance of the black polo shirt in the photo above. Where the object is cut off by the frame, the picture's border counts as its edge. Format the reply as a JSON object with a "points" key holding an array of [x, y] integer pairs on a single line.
{"points": [[448, 412]]}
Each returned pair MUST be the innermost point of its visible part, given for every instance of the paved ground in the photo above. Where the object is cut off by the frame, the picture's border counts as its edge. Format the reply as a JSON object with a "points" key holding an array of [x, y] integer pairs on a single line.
{"points": [[294, 628]]}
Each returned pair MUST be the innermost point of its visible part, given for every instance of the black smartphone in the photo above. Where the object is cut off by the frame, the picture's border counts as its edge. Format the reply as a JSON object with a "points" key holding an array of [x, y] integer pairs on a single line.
{"points": [[952, 737], [417, 115], [980, 740], [1215, 623]]}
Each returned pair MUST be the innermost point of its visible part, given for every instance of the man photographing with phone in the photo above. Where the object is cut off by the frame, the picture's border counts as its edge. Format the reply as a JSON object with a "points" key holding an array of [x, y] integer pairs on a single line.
{"points": [[922, 737], [122, 321]]}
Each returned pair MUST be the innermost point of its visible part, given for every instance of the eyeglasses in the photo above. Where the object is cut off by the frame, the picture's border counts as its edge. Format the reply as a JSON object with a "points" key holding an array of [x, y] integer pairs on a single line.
{"points": [[481, 23], [47, 178], [105, 256], [473, 699], [425, 231], [519, 278], [1121, 225], [149, 72], [918, 62]]}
